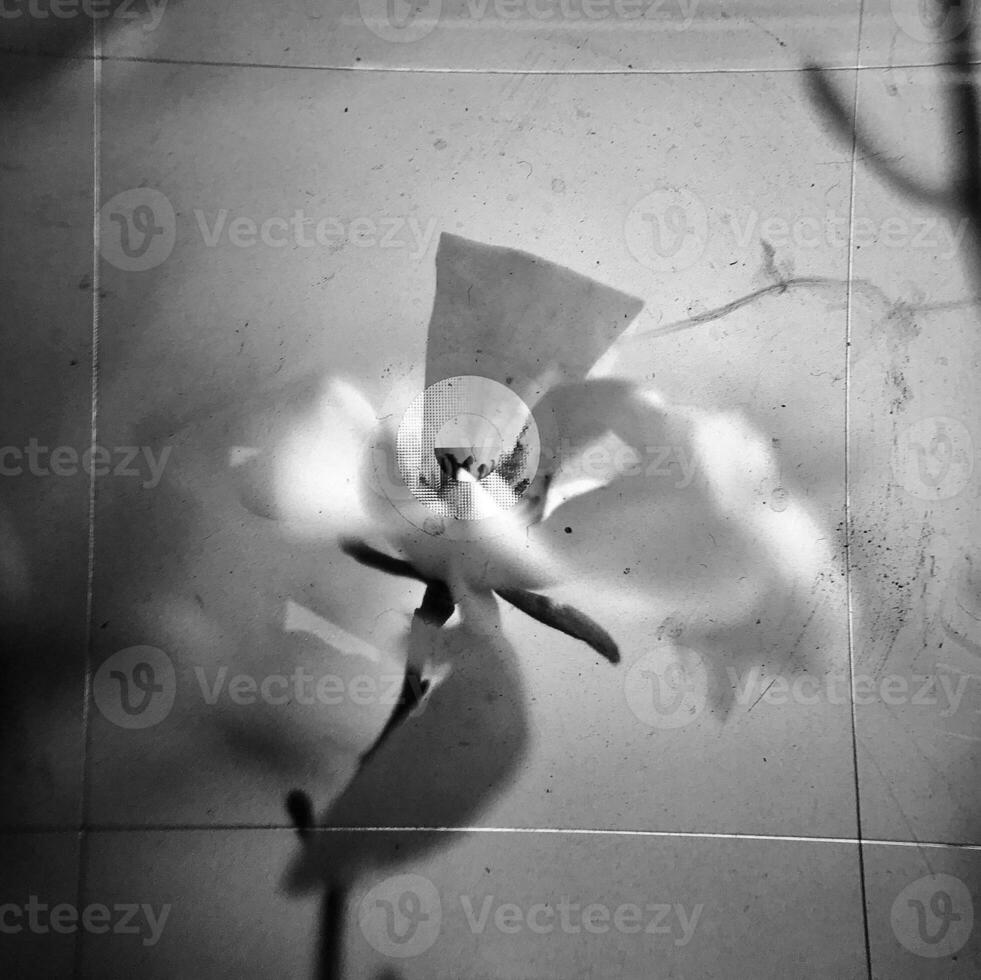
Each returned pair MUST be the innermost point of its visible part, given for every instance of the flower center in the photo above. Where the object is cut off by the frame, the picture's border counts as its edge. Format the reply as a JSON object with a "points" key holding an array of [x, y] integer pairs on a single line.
{"points": [[468, 447]]}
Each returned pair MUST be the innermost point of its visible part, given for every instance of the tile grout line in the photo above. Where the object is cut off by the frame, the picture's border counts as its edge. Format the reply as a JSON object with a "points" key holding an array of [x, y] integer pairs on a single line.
{"points": [[93, 418], [517, 70], [849, 610], [584, 72], [569, 831], [83, 803]]}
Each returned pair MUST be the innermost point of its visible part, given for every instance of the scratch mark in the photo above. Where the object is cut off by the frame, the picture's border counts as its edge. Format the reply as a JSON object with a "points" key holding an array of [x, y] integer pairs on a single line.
{"points": [[760, 698]]}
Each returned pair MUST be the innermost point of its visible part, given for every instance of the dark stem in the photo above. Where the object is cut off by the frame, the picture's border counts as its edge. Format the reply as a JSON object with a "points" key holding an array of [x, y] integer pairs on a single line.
{"points": [[565, 619], [437, 607], [331, 961]]}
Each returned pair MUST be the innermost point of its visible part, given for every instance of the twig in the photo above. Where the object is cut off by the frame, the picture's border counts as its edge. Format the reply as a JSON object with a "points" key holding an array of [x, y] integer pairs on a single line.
{"points": [[784, 286], [565, 619], [962, 191]]}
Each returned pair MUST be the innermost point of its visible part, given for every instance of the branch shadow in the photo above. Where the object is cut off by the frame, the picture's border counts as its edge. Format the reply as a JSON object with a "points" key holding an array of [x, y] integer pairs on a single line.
{"points": [[442, 768], [958, 197]]}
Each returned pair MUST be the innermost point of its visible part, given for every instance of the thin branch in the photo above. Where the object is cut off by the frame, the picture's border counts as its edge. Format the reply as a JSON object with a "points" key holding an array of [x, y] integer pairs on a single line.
{"points": [[962, 192], [718, 312], [565, 619], [370, 557]]}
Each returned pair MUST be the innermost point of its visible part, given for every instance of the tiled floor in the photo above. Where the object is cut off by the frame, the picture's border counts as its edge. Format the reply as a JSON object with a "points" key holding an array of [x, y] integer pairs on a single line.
{"points": [[233, 204]]}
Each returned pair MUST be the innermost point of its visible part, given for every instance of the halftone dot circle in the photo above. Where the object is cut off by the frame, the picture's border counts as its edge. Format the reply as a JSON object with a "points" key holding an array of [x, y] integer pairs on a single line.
{"points": [[667, 687], [667, 230], [400, 21], [137, 229], [932, 21], [467, 448], [401, 916], [933, 459], [933, 916], [135, 687]]}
